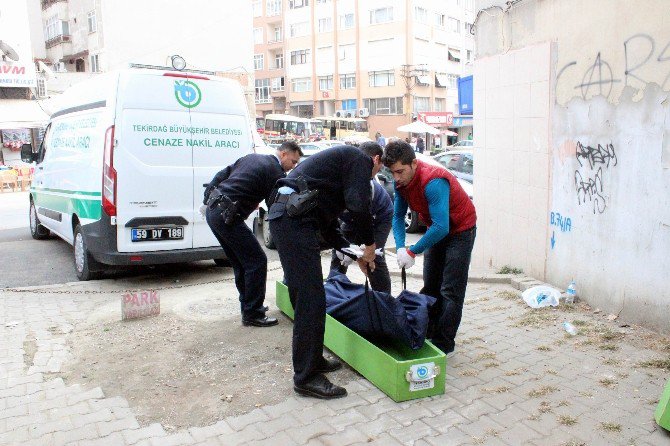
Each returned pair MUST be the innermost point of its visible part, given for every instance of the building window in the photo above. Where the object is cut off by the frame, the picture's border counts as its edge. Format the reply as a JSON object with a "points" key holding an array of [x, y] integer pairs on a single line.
{"points": [[258, 36], [453, 80], [263, 91], [279, 60], [454, 25], [347, 21], [325, 83], [347, 81], [54, 28], [295, 4], [469, 55], [298, 29], [300, 57], [277, 34], [258, 61], [257, 8], [41, 87], [420, 14], [439, 20], [278, 84], [384, 106], [349, 104], [454, 55], [273, 7], [421, 104], [95, 63], [381, 15], [325, 25], [468, 27], [323, 1], [440, 104], [347, 52], [301, 85], [324, 55], [382, 78], [92, 24]]}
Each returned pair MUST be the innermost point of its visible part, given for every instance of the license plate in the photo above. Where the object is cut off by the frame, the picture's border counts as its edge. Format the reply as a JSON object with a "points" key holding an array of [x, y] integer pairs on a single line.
{"points": [[154, 234]]}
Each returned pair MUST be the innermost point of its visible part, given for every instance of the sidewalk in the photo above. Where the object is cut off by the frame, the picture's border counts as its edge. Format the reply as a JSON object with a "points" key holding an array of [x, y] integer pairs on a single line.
{"points": [[516, 378]]}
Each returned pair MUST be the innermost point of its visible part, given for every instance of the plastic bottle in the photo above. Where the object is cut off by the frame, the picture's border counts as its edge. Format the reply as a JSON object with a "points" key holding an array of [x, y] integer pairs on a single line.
{"points": [[571, 293], [571, 329]]}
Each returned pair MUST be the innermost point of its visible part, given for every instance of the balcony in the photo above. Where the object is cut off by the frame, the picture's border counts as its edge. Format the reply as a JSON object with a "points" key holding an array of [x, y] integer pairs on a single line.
{"points": [[47, 3], [263, 100], [62, 38]]}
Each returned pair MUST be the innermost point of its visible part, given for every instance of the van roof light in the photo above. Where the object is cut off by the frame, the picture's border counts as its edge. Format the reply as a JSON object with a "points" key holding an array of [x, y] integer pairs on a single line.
{"points": [[186, 75], [178, 62]]}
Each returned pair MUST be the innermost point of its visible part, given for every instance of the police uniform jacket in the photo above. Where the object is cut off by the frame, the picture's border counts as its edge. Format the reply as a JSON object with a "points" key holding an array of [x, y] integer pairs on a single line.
{"points": [[248, 181], [341, 174]]}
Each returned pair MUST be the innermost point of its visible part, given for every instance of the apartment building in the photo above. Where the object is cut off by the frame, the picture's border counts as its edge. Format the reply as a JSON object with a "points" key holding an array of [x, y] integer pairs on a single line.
{"points": [[387, 60]]}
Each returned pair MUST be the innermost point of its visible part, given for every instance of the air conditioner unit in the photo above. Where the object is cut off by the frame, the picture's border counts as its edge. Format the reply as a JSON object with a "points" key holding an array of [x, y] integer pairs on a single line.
{"points": [[350, 114], [364, 112], [340, 113]]}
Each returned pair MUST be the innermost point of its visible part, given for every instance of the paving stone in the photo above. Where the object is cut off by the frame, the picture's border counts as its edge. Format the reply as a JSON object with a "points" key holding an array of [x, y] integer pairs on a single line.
{"points": [[87, 432], [113, 439], [203, 433], [376, 427], [346, 403], [99, 416], [107, 427], [344, 438], [417, 429], [133, 436], [408, 416], [519, 434], [279, 439], [290, 405], [273, 426], [177, 439], [302, 434], [241, 437], [310, 414], [453, 437], [345, 419], [475, 410], [240, 422], [95, 393]]}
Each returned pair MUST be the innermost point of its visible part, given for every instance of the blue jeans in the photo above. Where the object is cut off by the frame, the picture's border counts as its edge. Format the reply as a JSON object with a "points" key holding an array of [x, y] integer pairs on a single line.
{"points": [[445, 277]]}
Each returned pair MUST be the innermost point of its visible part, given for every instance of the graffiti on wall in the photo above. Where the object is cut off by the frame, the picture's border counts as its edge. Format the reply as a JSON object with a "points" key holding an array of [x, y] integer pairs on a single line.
{"points": [[561, 222], [639, 50], [589, 183]]}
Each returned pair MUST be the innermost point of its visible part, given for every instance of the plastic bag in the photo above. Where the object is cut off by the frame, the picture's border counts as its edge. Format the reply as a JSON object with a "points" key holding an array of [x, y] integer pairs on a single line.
{"points": [[541, 296]]}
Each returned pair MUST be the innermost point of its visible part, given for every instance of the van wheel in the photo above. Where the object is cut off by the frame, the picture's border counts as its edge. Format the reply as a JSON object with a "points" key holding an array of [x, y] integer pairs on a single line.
{"points": [[411, 221], [84, 265], [38, 231], [267, 235], [222, 262]]}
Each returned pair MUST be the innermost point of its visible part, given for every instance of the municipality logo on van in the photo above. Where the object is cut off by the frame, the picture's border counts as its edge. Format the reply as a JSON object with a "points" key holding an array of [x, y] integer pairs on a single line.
{"points": [[187, 93]]}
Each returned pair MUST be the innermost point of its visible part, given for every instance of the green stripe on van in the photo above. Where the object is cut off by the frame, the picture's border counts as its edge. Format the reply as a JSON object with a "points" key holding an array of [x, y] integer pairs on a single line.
{"points": [[83, 207], [65, 191]]}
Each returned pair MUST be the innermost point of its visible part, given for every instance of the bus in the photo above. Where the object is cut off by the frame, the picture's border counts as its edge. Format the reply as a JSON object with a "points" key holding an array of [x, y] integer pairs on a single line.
{"points": [[346, 129], [280, 128]]}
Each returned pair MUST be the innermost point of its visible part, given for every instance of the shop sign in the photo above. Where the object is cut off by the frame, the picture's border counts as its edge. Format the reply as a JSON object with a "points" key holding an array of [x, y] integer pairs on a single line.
{"points": [[437, 118]]}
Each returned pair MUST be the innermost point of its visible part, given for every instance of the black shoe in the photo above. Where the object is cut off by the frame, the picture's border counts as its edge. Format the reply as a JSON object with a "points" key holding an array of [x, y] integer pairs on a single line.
{"points": [[320, 387], [328, 365], [262, 321], [264, 309]]}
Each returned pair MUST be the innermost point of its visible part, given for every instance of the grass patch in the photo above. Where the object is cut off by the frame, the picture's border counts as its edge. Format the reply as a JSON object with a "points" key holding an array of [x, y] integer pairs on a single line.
{"points": [[612, 361], [492, 309], [656, 364], [510, 270], [563, 403], [574, 443], [488, 365], [509, 295], [538, 318], [486, 355], [501, 389], [552, 372], [567, 420], [516, 372], [610, 427], [471, 340], [542, 391], [545, 407], [609, 347], [544, 348], [609, 335], [586, 394], [579, 323], [607, 382], [471, 372]]}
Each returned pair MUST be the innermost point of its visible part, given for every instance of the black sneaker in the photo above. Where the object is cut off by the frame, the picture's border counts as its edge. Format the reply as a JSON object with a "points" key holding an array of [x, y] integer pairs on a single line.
{"points": [[320, 387]]}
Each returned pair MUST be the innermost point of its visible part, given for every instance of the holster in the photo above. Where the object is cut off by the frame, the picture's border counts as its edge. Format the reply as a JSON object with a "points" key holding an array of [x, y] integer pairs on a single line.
{"points": [[225, 204], [299, 203]]}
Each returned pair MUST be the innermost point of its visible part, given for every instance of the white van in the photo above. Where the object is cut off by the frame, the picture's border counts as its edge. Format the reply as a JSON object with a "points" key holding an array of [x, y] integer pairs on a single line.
{"points": [[121, 169]]}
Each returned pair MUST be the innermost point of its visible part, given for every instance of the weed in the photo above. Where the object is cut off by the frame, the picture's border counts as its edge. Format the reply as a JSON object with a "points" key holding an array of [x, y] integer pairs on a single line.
{"points": [[579, 323], [501, 389], [542, 391], [574, 443], [471, 340], [510, 270], [610, 347], [537, 318], [609, 335], [567, 420], [492, 309], [563, 403], [612, 361], [610, 427], [486, 355], [515, 372], [552, 372], [492, 432], [544, 348], [545, 407], [471, 372], [657, 364], [607, 382], [478, 440], [508, 295], [488, 365], [586, 394]]}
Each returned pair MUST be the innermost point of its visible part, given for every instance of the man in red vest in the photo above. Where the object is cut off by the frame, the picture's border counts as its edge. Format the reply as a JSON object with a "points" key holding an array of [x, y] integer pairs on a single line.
{"points": [[442, 204]]}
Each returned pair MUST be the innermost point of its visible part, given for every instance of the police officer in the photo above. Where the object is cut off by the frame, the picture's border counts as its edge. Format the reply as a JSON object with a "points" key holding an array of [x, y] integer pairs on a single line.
{"points": [[308, 202], [381, 209], [231, 197]]}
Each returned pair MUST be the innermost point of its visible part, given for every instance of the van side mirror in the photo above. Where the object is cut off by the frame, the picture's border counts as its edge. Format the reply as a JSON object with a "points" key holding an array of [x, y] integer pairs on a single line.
{"points": [[27, 155]]}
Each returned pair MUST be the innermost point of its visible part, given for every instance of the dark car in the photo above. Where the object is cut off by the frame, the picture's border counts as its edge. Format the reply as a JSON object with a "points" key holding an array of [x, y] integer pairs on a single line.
{"points": [[459, 162]]}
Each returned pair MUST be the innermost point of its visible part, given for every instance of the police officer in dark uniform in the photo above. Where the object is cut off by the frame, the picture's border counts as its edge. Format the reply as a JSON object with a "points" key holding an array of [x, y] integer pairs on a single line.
{"points": [[308, 202], [231, 197]]}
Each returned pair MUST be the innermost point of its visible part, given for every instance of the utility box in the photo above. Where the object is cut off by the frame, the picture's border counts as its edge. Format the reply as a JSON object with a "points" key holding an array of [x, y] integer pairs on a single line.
{"points": [[662, 414], [465, 95], [398, 371]]}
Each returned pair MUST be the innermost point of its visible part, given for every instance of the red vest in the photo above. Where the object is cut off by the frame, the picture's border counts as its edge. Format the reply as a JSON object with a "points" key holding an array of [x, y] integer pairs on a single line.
{"points": [[462, 215]]}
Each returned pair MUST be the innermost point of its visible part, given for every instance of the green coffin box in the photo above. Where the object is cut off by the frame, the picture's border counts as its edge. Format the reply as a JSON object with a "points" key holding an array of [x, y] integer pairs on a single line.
{"points": [[398, 371], [662, 414]]}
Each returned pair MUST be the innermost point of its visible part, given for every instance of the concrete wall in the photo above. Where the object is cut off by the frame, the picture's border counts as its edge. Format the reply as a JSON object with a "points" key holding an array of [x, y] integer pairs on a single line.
{"points": [[573, 156]]}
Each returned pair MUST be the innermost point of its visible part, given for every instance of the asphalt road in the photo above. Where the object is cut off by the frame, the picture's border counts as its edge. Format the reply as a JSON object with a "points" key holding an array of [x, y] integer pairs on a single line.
{"points": [[27, 262]]}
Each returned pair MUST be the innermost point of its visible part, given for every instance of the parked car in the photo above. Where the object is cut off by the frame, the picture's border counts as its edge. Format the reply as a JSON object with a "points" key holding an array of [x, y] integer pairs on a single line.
{"points": [[412, 221], [459, 162], [310, 148], [459, 144]]}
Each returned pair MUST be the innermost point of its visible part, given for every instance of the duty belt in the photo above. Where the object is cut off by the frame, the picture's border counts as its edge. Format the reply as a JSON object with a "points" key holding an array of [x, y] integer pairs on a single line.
{"points": [[282, 198]]}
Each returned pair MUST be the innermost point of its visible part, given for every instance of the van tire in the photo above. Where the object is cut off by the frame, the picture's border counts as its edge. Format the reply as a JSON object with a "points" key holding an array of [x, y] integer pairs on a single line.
{"points": [[411, 222], [84, 264], [268, 241], [38, 231]]}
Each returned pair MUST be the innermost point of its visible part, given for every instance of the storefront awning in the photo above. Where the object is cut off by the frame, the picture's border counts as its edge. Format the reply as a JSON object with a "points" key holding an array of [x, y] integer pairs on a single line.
{"points": [[423, 80], [20, 113], [441, 80]]}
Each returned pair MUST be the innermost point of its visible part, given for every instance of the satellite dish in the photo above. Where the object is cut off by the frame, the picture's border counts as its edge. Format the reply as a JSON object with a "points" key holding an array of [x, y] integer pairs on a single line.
{"points": [[8, 51], [48, 72]]}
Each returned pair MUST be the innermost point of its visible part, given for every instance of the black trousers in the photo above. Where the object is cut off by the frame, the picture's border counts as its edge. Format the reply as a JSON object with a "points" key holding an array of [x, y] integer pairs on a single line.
{"points": [[297, 243], [250, 264], [445, 277], [380, 279]]}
